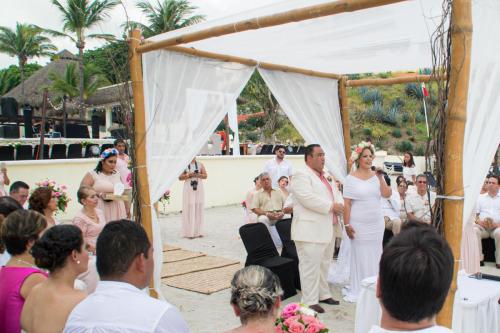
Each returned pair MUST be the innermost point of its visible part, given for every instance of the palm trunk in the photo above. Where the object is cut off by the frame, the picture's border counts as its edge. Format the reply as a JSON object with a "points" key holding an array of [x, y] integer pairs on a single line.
{"points": [[81, 83], [21, 69]]}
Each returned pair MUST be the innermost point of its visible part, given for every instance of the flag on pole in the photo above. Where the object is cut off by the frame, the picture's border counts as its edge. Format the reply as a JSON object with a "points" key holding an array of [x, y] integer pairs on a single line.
{"points": [[424, 90]]}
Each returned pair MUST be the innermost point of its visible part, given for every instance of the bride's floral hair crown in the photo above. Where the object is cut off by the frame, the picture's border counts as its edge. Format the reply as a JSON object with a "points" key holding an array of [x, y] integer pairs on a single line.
{"points": [[108, 152], [359, 148]]}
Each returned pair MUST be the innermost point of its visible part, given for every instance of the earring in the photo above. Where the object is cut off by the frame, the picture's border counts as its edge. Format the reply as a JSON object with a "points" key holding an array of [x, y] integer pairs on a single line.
{"points": [[78, 262]]}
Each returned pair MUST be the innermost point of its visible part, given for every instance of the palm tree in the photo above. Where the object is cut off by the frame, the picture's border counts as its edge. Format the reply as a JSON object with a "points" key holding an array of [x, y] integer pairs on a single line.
{"points": [[68, 83], [26, 42], [167, 15], [78, 17]]}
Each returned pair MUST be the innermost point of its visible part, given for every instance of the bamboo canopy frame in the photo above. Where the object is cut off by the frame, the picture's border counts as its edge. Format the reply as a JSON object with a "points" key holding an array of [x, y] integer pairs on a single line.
{"points": [[456, 116]]}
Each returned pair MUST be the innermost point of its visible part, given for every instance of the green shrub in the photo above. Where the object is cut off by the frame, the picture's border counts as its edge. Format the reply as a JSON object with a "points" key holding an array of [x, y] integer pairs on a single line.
{"points": [[420, 118], [413, 90], [396, 133], [353, 76], [409, 132], [367, 131], [420, 151], [255, 121], [405, 117], [372, 96], [385, 75], [390, 117], [252, 136], [404, 146], [379, 132], [397, 103]]}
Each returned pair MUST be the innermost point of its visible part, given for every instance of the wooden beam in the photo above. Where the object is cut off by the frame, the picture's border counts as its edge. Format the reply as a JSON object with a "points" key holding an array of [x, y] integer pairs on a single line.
{"points": [[140, 142], [295, 15], [251, 62], [389, 81], [456, 114], [344, 111]]}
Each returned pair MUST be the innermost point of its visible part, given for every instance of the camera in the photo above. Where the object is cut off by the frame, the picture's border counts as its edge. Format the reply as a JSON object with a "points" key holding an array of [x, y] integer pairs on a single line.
{"points": [[194, 182]]}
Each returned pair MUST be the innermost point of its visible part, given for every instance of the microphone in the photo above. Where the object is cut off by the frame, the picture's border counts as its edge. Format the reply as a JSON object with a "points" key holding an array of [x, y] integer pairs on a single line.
{"points": [[378, 171]]}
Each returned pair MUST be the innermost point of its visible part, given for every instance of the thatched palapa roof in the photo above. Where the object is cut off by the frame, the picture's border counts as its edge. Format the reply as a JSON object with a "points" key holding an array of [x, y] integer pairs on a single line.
{"points": [[110, 95], [34, 85]]}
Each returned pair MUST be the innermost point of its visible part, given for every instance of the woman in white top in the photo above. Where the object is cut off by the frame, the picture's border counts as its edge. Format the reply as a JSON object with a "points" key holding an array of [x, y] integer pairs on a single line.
{"points": [[363, 219], [409, 170]]}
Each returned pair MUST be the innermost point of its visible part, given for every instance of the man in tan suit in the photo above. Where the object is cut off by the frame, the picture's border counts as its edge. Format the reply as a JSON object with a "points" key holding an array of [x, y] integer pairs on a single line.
{"points": [[313, 227]]}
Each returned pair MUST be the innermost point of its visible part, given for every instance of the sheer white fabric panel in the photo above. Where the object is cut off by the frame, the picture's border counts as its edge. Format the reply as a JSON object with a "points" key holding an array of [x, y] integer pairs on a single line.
{"points": [[233, 124], [312, 105], [387, 38], [482, 134], [185, 97]]}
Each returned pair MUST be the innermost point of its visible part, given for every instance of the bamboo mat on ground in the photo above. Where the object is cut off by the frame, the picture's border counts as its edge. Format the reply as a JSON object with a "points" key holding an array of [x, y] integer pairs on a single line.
{"points": [[204, 282], [194, 265], [178, 255]]}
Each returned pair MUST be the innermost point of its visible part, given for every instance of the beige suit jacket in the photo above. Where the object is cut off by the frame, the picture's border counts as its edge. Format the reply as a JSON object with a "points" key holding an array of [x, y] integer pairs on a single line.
{"points": [[312, 219]]}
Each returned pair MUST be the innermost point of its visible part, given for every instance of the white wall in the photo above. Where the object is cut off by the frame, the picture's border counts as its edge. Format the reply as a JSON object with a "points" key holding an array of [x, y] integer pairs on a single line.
{"points": [[229, 178]]}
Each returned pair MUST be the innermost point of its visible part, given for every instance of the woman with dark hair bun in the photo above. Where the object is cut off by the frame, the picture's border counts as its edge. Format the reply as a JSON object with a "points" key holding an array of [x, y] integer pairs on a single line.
{"points": [[61, 251], [103, 179], [7, 206], [43, 200]]}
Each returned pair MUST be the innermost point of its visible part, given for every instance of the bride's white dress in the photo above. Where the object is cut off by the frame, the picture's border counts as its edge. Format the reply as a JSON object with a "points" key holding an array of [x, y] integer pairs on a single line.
{"points": [[359, 258]]}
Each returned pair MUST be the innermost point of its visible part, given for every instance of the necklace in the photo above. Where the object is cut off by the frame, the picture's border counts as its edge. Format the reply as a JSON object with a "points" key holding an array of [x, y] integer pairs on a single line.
{"points": [[25, 262]]}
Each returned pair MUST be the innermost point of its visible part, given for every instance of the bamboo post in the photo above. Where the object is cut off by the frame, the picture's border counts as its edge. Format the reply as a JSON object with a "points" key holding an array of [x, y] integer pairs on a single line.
{"points": [[140, 141], [295, 15], [344, 111], [389, 81], [461, 38]]}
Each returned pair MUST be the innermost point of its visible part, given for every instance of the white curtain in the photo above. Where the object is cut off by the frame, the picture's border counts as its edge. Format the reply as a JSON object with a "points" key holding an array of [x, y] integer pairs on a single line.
{"points": [[233, 124], [185, 98], [312, 105], [482, 134]]}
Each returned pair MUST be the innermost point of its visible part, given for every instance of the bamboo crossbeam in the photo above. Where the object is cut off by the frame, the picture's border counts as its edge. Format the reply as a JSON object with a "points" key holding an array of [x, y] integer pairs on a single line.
{"points": [[389, 81], [295, 15], [456, 115], [140, 142], [251, 62]]}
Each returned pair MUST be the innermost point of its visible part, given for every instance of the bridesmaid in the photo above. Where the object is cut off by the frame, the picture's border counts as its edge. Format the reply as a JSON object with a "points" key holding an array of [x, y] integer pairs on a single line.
{"points": [[193, 201], [103, 180], [44, 201]]}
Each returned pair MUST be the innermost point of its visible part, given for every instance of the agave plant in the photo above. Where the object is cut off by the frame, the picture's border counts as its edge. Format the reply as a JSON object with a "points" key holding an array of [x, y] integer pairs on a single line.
{"points": [[413, 90], [372, 96]]}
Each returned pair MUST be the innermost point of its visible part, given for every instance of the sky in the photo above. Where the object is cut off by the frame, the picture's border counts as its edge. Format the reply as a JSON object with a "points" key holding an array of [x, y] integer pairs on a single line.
{"points": [[46, 15]]}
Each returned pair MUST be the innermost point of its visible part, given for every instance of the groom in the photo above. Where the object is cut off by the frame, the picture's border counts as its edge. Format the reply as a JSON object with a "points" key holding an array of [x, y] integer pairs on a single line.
{"points": [[313, 227]]}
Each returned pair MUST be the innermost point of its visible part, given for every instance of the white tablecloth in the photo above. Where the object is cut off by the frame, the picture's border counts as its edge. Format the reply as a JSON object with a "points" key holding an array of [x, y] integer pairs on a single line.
{"points": [[475, 310]]}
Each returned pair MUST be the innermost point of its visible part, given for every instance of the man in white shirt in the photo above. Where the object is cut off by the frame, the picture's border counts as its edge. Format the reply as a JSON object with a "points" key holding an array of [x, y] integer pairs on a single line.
{"points": [[417, 204], [488, 216], [415, 275], [278, 166], [119, 304], [391, 209]]}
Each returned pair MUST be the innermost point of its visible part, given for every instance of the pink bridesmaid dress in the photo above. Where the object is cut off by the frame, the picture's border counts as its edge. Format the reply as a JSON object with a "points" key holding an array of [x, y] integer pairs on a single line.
{"points": [[113, 210], [193, 207]]}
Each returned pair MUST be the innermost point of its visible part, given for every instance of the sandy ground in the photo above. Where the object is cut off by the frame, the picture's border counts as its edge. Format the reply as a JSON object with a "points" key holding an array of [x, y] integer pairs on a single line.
{"points": [[212, 313]]}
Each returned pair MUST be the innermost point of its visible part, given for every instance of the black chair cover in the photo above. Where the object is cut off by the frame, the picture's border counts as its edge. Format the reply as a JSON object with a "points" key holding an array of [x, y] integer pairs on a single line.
{"points": [[24, 152], [289, 250], [75, 150], [58, 151], [6, 153]]}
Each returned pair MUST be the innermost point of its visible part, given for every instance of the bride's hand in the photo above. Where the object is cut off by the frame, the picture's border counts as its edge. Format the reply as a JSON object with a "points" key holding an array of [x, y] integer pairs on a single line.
{"points": [[350, 231]]}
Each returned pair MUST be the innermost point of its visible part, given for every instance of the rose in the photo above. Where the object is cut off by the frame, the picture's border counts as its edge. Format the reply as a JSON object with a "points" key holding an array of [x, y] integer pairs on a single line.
{"points": [[278, 329], [296, 327], [291, 320], [290, 310], [358, 150], [58, 194], [308, 320], [313, 328]]}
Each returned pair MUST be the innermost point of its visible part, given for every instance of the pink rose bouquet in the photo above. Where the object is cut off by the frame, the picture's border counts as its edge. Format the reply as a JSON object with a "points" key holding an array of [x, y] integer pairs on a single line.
{"points": [[298, 318], [60, 192]]}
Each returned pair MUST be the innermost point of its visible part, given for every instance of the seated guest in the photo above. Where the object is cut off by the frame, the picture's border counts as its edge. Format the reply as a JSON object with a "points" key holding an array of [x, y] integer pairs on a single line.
{"points": [[488, 216], [61, 251], [44, 201], [417, 204], [89, 219], [20, 191], [7, 206], [125, 265], [283, 186], [402, 187], [19, 232], [255, 298], [268, 205], [251, 217], [391, 209], [415, 274]]}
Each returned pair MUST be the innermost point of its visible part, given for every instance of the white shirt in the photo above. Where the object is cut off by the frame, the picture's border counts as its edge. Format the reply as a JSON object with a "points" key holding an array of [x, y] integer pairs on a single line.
{"points": [[119, 307], [408, 172], [391, 206], [419, 205], [433, 329], [488, 206], [276, 170]]}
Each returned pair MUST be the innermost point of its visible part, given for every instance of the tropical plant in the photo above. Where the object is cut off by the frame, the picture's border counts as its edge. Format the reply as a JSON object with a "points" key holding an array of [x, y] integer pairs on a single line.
{"points": [[404, 146], [26, 42], [166, 15], [112, 60], [78, 17], [68, 83], [7, 81], [372, 96], [396, 133], [413, 90]]}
